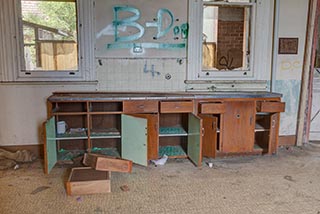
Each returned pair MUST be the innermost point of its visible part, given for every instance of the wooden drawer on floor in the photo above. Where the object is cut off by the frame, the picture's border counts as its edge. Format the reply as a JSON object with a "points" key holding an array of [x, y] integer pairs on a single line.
{"points": [[212, 108], [140, 106], [270, 106], [85, 180], [176, 107], [107, 163]]}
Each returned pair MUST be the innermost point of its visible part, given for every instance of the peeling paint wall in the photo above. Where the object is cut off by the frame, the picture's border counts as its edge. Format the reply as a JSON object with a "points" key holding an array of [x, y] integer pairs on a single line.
{"points": [[292, 24]]}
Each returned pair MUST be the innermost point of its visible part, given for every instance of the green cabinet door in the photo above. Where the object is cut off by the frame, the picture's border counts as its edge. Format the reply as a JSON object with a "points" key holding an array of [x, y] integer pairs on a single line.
{"points": [[134, 139], [50, 148], [195, 139]]}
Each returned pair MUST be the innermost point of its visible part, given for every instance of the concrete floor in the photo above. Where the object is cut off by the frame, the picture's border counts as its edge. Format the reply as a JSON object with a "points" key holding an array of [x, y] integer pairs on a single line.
{"points": [[286, 183]]}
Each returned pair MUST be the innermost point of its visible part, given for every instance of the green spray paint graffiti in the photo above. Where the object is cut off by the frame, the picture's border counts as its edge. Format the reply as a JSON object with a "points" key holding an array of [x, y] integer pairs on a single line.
{"points": [[163, 30]]}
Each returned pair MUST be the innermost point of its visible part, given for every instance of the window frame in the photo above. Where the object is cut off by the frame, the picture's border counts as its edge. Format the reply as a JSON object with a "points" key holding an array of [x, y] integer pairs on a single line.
{"points": [[85, 37], [195, 70]]}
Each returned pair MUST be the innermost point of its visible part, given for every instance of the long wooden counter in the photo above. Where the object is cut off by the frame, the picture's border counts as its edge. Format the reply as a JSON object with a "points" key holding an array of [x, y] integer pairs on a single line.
{"points": [[141, 126]]}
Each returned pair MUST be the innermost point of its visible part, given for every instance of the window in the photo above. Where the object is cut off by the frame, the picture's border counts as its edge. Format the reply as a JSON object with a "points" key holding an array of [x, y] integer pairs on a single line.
{"points": [[52, 41], [226, 38]]}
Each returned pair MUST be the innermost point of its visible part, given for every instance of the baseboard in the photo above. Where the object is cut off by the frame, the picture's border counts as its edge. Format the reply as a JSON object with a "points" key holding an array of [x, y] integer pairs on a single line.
{"points": [[35, 149], [289, 140]]}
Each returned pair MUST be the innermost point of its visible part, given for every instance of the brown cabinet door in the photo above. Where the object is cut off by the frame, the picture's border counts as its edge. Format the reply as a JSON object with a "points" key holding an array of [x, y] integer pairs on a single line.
{"points": [[209, 135], [238, 127]]}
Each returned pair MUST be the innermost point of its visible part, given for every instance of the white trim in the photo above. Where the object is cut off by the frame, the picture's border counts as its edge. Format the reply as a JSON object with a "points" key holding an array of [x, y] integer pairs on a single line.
{"points": [[86, 70]]}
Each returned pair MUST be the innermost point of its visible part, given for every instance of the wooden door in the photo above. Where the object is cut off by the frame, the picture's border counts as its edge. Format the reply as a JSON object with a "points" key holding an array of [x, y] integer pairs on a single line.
{"points": [[194, 139], [209, 135], [238, 127], [134, 139], [50, 145]]}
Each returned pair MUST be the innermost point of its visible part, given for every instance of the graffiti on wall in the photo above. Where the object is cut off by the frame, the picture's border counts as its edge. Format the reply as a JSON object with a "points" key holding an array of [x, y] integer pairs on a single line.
{"points": [[129, 33], [287, 65]]}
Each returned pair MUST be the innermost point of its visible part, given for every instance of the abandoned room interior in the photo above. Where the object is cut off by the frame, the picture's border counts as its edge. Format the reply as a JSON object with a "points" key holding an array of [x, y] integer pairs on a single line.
{"points": [[171, 106]]}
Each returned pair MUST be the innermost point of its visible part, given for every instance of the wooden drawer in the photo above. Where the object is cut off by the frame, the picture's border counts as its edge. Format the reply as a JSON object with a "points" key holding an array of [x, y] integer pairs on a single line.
{"points": [[85, 180], [107, 163], [212, 108], [140, 106], [270, 106], [176, 107]]}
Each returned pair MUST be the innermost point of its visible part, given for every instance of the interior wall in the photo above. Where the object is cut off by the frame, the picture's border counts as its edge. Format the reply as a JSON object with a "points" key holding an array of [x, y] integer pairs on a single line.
{"points": [[23, 106], [23, 111], [292, 24], [158, 30]]}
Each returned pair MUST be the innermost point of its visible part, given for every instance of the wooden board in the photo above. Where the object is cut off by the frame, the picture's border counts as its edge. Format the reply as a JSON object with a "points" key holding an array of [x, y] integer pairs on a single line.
{"points": [[85, 180], [107, 163]]}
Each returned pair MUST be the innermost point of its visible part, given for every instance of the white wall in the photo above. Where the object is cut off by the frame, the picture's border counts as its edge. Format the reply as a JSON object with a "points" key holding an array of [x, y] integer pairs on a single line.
{"points": [[23, 111], [292, 24]]}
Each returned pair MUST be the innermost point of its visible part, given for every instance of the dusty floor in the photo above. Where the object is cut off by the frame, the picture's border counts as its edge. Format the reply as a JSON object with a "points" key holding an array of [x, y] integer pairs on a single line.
{"points": [[286, 183]]}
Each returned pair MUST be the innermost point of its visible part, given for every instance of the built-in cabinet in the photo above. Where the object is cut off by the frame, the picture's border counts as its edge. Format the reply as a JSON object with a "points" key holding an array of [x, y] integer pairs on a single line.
{"points": [[144, 127]]}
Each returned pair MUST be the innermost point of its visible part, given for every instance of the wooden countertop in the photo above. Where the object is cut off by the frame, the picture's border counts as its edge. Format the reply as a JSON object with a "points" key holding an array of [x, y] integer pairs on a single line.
{"points": [[109, 96]]}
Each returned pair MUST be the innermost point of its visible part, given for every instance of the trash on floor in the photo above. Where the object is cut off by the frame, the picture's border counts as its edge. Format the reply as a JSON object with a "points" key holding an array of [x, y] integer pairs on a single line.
{"points": [[39, 189], [161, 161], [10, 159], [125, 188]]}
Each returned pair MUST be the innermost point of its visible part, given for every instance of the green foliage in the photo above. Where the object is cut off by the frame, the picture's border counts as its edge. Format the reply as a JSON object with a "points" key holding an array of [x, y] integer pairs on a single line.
{"points": [[58, 15]]}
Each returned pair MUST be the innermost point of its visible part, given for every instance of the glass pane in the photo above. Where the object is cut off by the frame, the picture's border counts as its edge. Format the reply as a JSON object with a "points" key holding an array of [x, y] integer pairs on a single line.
{"points": [[226, 38], [50, 35]]}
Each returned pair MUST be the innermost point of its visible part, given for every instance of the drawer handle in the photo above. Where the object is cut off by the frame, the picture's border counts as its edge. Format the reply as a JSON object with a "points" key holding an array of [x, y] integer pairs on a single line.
{"points": [[141, 106]]}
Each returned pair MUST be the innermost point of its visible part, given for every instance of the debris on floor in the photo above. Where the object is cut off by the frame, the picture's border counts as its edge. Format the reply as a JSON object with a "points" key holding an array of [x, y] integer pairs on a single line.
{"points": [[161, 161], [125, 188], [10, 159], [39, 189]]}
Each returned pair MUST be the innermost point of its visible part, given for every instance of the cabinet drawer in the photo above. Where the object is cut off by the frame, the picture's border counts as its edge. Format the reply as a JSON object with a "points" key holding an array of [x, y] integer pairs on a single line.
{"points": [[212, 108], [270, 106], [176, 107], [85, 180], [140, 106]]}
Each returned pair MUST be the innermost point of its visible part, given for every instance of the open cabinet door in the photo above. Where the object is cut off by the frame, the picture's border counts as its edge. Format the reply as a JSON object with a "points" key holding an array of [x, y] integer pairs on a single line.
{"points": [[50, 147], [194, 139], [209, 135], [134, 139]]}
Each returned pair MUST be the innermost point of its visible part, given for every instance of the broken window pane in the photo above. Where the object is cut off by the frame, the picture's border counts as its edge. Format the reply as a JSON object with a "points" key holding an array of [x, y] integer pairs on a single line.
{"points": [[226, 37]]}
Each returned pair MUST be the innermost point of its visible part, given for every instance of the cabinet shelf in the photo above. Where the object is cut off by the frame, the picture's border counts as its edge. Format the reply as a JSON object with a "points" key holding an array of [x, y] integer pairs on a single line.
{"points": [[72, 136], [172, 131], [105, 133], [105, 113], [260, 128], [172, 151], [113, 152], [69, 113]]}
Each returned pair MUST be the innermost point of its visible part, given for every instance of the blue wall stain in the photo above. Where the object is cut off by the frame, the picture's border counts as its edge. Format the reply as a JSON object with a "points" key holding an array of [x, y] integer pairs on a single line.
{"points": [[290, 89]]}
